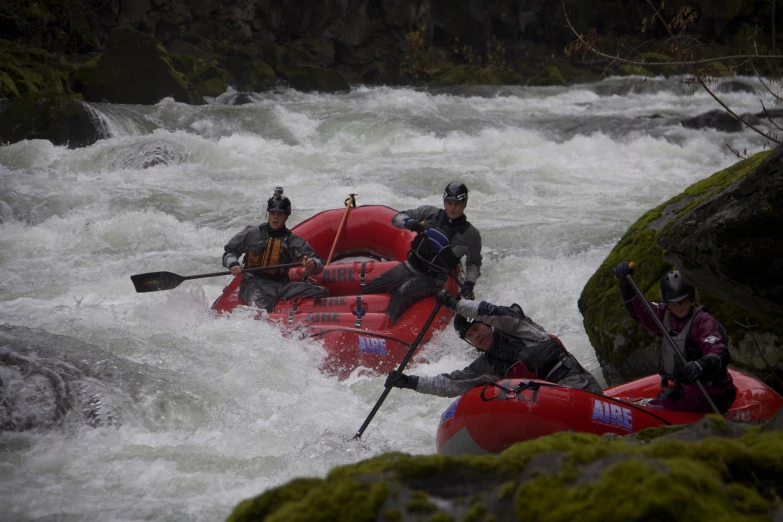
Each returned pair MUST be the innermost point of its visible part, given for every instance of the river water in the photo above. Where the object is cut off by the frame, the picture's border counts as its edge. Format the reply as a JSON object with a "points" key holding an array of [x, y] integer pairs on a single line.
{"points": [[124, 406]]}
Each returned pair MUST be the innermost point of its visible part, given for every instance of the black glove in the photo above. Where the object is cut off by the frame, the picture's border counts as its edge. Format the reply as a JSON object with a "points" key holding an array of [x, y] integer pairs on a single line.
{"points": [[444, 297], [467, 290], [693, 371], [401, 381], [622, 270], [412, 224]]}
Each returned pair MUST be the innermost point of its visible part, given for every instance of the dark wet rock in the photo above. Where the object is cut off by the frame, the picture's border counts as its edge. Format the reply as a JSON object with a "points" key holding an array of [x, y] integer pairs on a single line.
{"points": [[241, 98], [51, 116], [735, 86], [133, 69], [309, 78], [716, 119], [731, 244]]}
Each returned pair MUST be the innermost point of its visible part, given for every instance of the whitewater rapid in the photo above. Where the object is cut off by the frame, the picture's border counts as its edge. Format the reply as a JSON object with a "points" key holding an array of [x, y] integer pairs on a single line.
{"points": [[199, 412]]}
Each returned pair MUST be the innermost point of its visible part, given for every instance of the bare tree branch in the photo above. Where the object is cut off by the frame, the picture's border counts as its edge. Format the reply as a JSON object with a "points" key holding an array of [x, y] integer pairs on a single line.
{"points": [[732, 113], [617, 58]]}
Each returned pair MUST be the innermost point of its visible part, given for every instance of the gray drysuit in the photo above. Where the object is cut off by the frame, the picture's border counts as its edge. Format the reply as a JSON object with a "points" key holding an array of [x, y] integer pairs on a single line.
{"points": [[411, 281], [517, 340], [265, 288]]}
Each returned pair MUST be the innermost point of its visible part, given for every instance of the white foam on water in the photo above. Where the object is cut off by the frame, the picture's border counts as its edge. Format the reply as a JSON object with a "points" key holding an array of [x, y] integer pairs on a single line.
{"points": [[217, 409]]}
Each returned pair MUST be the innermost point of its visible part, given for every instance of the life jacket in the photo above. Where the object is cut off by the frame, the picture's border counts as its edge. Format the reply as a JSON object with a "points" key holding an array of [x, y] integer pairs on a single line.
{"points": [[511, 357], [671, 365], [271, 249], [430, 252]]}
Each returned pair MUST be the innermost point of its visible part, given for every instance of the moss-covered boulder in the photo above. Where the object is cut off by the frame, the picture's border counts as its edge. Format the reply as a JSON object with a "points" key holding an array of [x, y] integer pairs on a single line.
{"points": [[625, 349], [50, 116], [24, 70], [134, 68], [250, 75], [563, 477], [211, 80]]}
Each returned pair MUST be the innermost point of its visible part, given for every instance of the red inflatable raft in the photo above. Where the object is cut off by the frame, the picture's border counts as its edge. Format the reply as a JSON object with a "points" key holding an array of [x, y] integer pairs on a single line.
{"points": [[489, 419], [367, 245]]}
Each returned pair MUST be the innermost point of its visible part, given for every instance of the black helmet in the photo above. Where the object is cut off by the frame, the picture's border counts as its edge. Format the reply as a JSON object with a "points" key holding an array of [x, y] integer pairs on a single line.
{"points": [[462, 324], [456, 192], [279, 203], [674, 288]]}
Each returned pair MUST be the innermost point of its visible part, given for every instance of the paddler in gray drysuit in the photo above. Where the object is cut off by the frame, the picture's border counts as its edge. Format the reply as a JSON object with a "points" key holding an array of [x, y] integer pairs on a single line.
{"points": [[272, 244], [444, 236], [513, 346]]}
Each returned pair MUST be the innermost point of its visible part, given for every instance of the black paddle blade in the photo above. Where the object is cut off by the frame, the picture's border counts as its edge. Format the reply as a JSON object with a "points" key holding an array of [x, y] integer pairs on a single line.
{"points": [[156, 281]]}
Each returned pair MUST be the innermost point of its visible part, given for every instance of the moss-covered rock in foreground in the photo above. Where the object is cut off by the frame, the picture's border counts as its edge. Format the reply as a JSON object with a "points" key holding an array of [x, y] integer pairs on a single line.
{"points": [[626, 350], [563, 477]]}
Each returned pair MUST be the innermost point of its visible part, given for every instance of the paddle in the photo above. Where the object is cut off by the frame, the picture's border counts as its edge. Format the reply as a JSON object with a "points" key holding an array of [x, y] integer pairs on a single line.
{"points": [[668, 337], [156, 281], [399, 371], [350, 202]]}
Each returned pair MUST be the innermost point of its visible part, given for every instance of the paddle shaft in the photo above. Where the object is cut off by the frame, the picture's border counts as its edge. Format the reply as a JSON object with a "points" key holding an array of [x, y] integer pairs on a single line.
{"points": [[669, 338], [400, 368], [257, 269], [348, 202]]}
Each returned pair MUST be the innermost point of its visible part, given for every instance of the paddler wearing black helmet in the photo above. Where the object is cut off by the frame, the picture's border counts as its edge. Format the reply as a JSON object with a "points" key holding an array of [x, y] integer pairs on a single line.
{"points": [[512, 345], [269, 244], [443, 237]]}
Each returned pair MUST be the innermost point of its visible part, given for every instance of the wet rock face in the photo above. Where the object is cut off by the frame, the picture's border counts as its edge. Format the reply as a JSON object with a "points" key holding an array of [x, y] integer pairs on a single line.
{"points": [[731, 245], [50, 116]]}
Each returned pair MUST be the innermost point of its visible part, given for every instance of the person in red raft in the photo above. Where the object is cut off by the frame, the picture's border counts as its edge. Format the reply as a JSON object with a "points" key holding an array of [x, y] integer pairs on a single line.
{"points": [[700, 337], [512, 346]]}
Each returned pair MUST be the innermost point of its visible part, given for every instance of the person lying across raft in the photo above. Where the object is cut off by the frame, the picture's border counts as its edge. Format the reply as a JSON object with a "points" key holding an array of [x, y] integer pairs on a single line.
{"points": [[512, 346], [272, 244], [699, 336]]}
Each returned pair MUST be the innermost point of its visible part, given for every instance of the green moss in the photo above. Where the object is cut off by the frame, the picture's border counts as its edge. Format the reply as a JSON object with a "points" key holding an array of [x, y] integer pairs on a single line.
{"points": [[302, 502], [420, 503], [653, 433], [393, 515], [635, 70], [262, 506], [712, 479], [625, 349], [548, 76], [475, 513], [134, 68]]}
